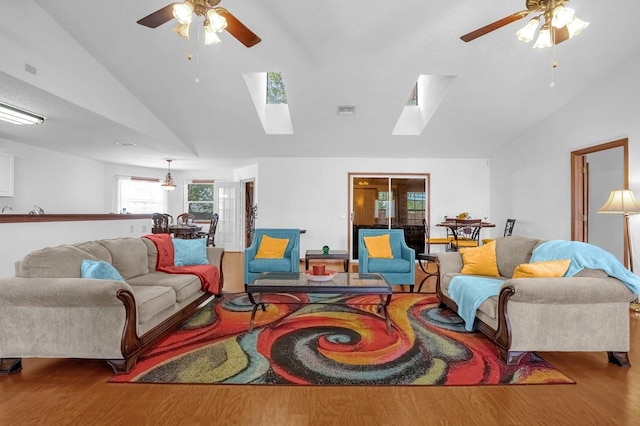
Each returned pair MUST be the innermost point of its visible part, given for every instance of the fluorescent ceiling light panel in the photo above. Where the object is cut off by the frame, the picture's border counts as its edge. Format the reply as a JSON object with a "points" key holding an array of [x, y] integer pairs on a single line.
{"points": [[431, 91], [19, 116], [275, 118]]}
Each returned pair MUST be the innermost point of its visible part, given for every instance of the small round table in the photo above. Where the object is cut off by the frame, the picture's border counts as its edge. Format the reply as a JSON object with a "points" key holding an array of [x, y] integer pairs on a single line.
{"points": [[423, 262]]}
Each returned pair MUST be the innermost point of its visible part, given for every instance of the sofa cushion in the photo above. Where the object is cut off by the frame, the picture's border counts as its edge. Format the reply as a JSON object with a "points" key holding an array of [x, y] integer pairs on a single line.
{"points": [[190, 252], [378, 246], [389, 265], [513, 251], [185, 285], [270, 265], [547, 269], [272, 248], [129, 256], [61, 261], [151, 300], [480, 260], [99, 269]]}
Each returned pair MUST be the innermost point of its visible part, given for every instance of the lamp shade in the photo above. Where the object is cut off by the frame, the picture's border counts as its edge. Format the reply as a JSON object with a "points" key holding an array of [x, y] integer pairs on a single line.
{"points": [[621, 201]]}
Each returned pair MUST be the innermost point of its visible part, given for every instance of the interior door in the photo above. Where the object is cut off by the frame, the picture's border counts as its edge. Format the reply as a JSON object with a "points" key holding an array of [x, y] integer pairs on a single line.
{"points": [[227, 200]]}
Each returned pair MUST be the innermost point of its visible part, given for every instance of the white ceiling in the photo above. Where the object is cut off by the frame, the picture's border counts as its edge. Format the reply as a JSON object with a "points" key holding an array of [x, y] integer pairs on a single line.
{"points": [[335, 52]]}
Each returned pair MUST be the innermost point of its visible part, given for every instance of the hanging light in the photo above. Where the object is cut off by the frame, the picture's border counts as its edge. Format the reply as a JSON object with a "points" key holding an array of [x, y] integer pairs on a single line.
{"points": [[168, 183], [182, 30], [556, 19], [544, 38], [182, 12], [218, 23], [527, 32], [210, 36], [576, 26]]}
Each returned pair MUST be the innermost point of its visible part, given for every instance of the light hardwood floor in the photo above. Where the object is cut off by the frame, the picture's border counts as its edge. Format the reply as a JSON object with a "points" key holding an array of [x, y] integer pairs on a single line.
{"points": [[75, 392]]}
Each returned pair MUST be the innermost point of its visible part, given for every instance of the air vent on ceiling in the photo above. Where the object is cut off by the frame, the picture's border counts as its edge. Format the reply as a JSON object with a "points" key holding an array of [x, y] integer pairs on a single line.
{"points": [[346, 109]]}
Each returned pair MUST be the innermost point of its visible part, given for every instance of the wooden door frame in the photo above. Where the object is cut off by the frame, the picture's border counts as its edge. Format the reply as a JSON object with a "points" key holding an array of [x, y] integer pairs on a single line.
{"points": [[579, 184]]}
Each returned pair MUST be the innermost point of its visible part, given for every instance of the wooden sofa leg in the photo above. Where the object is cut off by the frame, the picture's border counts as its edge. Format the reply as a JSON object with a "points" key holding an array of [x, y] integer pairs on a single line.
{"points": [[10, 366], [620, 359], [510, 357], [121, 366]]}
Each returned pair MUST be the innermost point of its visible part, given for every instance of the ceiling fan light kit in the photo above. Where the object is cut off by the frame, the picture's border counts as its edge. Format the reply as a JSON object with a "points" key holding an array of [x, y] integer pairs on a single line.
{"points": [[559, 24], [215, 20]]}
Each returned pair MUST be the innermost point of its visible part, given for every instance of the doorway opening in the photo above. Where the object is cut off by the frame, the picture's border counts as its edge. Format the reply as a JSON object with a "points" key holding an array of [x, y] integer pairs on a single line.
{"points": [[595, 171]]}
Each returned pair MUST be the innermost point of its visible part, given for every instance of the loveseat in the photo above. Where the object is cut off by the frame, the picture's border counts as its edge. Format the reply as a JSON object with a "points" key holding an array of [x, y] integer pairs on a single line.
{"points": [[49, 310], [587, 311]]}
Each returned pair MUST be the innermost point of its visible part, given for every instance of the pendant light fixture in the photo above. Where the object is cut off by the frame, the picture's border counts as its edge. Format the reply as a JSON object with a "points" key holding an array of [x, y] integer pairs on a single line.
{"points": [[168, 183]]}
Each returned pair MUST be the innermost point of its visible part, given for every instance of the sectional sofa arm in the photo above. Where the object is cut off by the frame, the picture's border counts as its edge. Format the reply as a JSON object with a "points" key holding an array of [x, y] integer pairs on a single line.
{"points": [[60, 292], [215, 255], [568, 290]]}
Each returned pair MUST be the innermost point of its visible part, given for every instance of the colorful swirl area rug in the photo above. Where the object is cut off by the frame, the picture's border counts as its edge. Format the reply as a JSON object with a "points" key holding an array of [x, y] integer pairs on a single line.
{"points": [[345, 342]]}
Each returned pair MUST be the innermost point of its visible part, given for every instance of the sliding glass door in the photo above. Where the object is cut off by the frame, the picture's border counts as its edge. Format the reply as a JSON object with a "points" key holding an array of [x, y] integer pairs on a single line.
{"points": [[387, 201]]}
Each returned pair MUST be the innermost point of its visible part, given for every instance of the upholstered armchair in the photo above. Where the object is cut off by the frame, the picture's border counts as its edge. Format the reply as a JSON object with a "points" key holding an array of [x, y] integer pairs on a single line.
{"points": [[398, 270], [289, 261]]}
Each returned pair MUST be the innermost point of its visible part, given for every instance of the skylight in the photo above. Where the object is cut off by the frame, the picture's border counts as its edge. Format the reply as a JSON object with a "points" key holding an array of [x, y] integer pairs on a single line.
{"points": [[426, 95], [270, 100]]}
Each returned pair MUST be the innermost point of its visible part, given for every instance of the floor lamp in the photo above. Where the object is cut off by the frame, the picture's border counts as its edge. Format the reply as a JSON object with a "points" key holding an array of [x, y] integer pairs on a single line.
{"points": [[622, 202]]}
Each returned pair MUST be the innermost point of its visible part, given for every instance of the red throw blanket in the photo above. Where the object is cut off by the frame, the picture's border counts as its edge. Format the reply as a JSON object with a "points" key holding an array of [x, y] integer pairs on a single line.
{"points": [[209, 275]]}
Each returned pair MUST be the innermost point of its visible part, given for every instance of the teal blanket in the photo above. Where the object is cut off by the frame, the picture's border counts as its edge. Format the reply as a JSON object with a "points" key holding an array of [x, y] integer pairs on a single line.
{"points": [[469, 292], [585, 255]]}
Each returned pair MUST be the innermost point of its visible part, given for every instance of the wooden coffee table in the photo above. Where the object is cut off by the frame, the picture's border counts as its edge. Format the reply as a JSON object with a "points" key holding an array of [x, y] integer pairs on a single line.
{"points": [[340, 283]]}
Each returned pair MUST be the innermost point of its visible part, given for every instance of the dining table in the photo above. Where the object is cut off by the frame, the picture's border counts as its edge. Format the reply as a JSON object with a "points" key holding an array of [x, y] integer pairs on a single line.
{"points": [[454, 225], [184, 231]]}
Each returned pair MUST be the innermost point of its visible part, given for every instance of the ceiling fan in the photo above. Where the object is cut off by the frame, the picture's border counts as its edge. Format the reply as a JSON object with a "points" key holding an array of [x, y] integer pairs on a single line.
{"points": [[216, 19], [560, 23]]}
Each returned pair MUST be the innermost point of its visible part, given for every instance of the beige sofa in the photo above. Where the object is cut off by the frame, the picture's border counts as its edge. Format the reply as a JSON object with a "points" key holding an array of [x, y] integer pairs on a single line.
{"points": [[586, 312], [47, 310]]}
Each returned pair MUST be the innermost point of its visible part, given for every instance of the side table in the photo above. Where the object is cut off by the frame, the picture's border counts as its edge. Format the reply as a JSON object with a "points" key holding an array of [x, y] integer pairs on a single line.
{"points": [[423, 261], [332, 255]]}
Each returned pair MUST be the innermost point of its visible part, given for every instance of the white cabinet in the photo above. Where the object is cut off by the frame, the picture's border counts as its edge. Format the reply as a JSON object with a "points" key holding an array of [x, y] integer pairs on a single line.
{"points": [[6, 175]]}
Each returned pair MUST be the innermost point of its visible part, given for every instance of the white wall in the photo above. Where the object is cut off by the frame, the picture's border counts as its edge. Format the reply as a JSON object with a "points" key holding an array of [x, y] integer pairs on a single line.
{"points": [[59, 183], [312, 193], [531, 180]]}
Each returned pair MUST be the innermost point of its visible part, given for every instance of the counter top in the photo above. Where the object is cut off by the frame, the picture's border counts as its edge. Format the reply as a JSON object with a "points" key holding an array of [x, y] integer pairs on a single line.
{"points": [[20, 218]]}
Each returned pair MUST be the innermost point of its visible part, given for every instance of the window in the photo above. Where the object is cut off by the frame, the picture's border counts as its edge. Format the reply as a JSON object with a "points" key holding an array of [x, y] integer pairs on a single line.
{"points": [[139, 195], [200, 199], [416, 207]]}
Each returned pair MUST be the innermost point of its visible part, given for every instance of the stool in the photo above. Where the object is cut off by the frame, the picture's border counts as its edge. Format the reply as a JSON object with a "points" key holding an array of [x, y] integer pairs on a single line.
{"points": [[423, 262]]}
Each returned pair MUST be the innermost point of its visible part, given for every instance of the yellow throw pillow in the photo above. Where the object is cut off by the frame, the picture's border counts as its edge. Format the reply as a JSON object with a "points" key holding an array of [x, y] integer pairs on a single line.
{"points": [[272, 248], [379, 246], [548, 269], [480, 260]]}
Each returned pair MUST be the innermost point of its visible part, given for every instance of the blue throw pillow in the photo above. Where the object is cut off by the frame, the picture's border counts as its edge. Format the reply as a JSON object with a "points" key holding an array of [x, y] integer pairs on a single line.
{"points": [[100, 270], [190, 252]]}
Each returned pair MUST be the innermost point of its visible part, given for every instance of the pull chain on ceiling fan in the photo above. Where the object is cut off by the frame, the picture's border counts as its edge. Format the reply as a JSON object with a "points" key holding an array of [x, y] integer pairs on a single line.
{"points": [[216, 19]]}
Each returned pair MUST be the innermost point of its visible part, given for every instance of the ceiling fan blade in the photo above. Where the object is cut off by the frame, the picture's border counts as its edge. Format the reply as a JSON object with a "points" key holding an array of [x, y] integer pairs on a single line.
{"points": [[495, 25], [559, 34], [238, 29], [158, 17]]}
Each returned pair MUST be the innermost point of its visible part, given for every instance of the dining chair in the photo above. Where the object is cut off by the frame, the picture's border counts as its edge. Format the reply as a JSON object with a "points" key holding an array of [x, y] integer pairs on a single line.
{"points": [[467, 233], [160, 223], [185, 218], [211, 233], [508, 230]]}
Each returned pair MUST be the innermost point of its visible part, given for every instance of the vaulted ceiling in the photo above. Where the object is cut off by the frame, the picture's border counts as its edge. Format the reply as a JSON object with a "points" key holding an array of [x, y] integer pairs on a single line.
{"points": [[363, 53]]}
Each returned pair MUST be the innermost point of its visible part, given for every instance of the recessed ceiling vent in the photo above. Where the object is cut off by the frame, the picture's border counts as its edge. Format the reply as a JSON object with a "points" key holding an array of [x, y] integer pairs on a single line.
{"points": [[346, 109]]}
